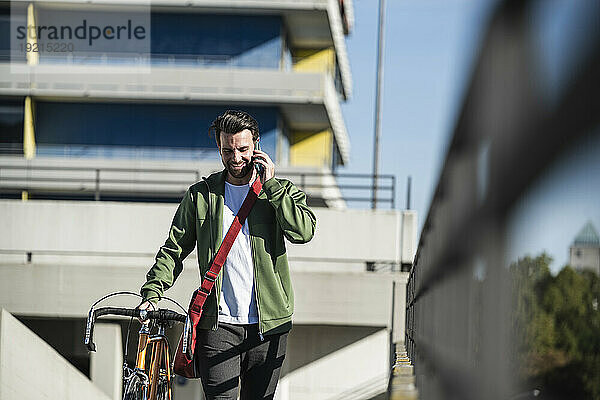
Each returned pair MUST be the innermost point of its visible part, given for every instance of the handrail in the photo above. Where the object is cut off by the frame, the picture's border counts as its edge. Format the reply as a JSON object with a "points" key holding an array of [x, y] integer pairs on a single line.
{"points": [[163, 183], [114, 169], [371, 265]]}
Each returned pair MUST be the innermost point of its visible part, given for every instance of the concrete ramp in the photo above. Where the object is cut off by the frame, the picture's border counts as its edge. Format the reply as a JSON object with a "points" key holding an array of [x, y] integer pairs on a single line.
{"points": [[373, 389], [31, 370], [361, 365]]}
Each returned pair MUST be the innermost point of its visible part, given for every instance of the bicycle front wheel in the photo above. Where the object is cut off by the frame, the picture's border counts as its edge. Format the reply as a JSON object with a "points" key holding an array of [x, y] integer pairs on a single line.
{"points": [[134, 389]]}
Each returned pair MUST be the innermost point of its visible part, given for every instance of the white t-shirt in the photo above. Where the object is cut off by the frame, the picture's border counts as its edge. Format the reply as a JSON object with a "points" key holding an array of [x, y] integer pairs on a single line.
{"points": [[238, 300]]}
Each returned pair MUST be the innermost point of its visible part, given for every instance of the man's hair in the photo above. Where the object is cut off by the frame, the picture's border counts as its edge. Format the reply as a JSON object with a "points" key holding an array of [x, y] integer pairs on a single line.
{"points": [[233, 121]]}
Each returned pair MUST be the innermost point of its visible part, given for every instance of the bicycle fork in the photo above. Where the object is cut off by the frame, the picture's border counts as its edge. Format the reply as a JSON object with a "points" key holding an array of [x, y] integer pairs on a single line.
{"points": [[159, 354]]}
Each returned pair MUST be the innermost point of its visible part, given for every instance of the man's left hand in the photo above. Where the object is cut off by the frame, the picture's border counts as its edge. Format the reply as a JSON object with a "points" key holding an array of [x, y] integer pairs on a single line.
{"points": [[262, 158]]}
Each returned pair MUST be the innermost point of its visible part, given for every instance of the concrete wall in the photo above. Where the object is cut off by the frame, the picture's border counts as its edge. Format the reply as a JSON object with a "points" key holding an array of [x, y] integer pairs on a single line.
{"points": [[408, 237], [325, 362], [50, 290], [83, 250], [131, 233], [106, 363], [343, 314], [31, 369]]}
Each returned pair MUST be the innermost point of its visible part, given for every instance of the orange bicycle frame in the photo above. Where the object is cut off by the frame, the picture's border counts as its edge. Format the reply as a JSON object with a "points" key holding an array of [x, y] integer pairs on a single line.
{"points": [[159, 355]]}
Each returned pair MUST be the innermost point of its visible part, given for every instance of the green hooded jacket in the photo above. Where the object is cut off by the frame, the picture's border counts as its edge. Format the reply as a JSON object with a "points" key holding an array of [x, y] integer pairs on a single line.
{"points": [[279, 212]]}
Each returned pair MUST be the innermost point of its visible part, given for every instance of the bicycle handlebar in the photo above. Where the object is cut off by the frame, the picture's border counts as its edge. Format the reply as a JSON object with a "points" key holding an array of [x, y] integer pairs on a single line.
{"points": [[161, 315]]}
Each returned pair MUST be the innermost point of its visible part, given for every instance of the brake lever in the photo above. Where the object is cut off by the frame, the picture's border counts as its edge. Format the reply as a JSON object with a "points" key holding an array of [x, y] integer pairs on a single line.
{"points": [[89, 331]]}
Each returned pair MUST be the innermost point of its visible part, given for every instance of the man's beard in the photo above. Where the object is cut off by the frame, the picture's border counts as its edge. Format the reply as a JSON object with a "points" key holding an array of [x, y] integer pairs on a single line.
{"points": [[241, 172]]}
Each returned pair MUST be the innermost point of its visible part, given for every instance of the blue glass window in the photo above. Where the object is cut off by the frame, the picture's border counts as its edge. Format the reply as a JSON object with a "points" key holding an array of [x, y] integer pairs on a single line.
{"points": [[11, 125], [238, 40], [133, 130]]}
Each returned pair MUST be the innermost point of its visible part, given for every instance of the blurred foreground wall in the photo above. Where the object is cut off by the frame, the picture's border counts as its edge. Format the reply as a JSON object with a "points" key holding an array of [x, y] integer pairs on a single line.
{"points": [[494, 311]]}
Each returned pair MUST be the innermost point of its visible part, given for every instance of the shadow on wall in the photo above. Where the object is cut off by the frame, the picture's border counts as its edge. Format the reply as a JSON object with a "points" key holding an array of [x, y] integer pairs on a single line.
{"points": [[309, 343]]}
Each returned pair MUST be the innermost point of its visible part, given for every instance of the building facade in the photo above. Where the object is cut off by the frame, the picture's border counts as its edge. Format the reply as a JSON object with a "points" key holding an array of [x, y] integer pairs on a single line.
{"points": [[284, 62]]}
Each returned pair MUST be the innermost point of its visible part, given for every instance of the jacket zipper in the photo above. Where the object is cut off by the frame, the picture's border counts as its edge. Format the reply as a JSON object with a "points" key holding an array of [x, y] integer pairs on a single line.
{"points": [[212, 252], [218, 296], [260, 335], [219, 282]]}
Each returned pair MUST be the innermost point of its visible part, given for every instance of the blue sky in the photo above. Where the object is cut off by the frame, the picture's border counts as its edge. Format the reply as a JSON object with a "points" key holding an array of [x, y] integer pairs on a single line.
{"points": [[429, 51], [553, 211]]}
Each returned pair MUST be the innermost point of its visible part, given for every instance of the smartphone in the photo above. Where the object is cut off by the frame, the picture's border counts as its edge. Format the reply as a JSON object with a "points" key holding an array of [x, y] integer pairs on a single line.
{"points": [[259, 168]]}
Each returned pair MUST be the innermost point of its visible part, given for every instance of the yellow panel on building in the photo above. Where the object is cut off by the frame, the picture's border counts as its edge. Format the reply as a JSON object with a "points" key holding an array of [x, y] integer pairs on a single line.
{"points": [[29, 129], [311, 148], [322, 60]]}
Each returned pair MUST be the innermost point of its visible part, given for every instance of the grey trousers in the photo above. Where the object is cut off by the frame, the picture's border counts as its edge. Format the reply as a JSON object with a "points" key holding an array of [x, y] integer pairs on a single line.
{"points": [[235, 354]]}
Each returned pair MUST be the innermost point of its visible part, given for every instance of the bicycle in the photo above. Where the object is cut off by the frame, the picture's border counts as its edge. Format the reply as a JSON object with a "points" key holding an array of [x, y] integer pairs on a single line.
{"points": [[147, 380]]}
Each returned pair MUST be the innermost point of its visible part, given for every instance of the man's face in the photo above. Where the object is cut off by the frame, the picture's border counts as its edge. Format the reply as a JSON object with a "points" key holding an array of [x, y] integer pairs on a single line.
{"points": [[236, 153]]}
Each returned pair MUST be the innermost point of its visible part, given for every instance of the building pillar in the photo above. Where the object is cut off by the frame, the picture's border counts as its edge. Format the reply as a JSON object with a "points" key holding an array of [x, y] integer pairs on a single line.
{"points": [[29, 147], [32, 56], [106, 364]]}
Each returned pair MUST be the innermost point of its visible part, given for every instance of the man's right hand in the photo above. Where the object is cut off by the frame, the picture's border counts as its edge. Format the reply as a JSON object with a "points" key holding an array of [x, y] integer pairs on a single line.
{"points": [[148, 306]]}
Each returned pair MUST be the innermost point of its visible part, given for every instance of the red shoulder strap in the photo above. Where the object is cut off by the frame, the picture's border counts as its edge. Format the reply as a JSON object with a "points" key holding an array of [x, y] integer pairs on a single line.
{"points": [[200, 295], [234, 229]]}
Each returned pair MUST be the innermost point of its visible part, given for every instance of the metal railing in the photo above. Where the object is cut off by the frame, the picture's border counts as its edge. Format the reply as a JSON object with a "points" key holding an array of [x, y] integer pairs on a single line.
{"points": [[87, 181], [362, 183], [146, 184], [99, 57], [335, 264], [459, 331]]}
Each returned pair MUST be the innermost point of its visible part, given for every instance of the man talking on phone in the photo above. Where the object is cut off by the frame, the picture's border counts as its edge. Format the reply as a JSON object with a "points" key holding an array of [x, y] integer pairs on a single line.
{"points": [[242, 334]]}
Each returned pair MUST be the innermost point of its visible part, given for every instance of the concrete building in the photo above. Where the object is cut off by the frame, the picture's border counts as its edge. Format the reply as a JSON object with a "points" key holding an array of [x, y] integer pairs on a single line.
{"points": [[285, 62], [584, 253], [98, 147]]}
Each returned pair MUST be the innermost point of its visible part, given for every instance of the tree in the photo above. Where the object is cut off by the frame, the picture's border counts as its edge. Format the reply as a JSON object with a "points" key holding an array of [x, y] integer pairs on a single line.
{"points": [[556, 327]]}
